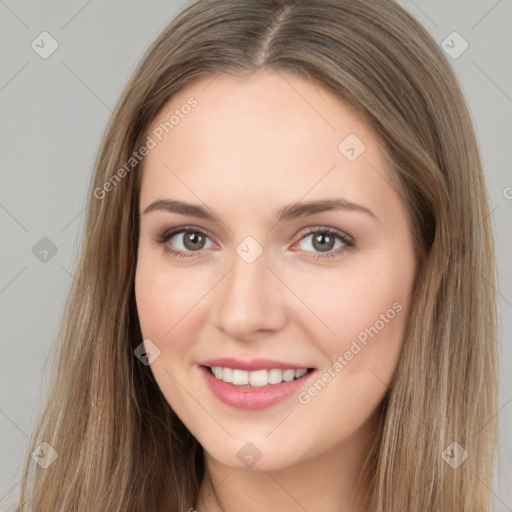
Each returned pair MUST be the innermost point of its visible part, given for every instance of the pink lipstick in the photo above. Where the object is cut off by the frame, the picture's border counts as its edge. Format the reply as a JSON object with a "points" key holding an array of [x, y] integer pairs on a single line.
{"points": [[254, 384]]}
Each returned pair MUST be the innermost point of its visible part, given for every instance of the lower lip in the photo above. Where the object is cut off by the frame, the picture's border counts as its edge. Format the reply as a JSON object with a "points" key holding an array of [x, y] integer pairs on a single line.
{"points": [[252, 398]]}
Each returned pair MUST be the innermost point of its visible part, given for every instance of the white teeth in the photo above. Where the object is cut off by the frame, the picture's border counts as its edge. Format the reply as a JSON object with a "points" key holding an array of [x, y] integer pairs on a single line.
{"points": [[288, 375], [240, 377], [227, 375], [275, 376], [256, 378]]}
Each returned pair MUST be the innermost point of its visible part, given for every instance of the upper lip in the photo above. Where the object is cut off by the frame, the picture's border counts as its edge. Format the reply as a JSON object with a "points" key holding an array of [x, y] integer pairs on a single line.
{"points": [[252, 365]]}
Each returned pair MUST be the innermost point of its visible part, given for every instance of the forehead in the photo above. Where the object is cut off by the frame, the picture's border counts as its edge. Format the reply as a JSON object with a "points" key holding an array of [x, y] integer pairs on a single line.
{"points": [[269, 137]]}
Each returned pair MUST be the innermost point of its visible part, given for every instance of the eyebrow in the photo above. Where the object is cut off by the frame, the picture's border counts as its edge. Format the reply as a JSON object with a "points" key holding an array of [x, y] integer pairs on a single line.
{"points": [[288, 212]]}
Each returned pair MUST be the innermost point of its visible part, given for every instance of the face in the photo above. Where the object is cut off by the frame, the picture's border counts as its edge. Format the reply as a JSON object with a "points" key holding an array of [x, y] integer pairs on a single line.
{"points": [[273, 246]]}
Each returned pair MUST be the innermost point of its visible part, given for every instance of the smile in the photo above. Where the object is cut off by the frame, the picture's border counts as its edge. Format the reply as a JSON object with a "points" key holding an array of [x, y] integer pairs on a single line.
{"points": [[257, 378], [253, 385]]}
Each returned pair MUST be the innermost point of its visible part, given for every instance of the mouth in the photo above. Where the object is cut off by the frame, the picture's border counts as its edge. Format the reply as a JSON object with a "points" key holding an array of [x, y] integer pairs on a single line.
{"points": [[261, 384], [257, 378]]}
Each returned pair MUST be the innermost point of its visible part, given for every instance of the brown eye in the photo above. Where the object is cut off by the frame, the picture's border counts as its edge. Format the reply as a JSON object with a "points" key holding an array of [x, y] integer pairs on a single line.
{"points": [[184, 242], [193, 241], [323, 241]]}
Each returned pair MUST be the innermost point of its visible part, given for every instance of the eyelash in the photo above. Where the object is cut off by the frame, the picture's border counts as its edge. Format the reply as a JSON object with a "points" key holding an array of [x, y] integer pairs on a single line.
{"points": [[347, 241]]}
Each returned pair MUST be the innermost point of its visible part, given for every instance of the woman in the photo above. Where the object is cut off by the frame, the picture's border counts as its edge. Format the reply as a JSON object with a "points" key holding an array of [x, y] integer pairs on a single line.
{"points": [[288, 268]]}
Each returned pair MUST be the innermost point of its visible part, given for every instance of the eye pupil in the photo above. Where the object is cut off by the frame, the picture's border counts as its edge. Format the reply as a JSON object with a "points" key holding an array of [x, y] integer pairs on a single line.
{"points": [[323, 241], [192, 238]]}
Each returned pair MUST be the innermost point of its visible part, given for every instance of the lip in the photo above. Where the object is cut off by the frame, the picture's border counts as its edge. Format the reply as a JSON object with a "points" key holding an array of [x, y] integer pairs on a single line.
{"points": [[252, 365], [253, 398]]}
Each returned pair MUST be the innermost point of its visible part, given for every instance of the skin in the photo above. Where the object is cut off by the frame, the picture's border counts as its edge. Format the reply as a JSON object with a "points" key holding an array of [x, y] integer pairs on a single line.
{"points": [[250, 147]]}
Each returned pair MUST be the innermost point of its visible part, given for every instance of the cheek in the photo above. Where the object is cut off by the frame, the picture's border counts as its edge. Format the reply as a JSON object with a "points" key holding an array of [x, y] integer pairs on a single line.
{"points": [[164, 299], [167, 309], [369, 318], [360, 314]]}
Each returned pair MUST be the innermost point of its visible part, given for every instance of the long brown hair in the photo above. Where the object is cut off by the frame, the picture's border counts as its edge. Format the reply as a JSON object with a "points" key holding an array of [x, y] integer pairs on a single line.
{"points": [[120, 446]]}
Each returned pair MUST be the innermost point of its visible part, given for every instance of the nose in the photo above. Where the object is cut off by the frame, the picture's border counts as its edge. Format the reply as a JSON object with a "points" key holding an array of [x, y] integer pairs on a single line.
{"points": [[249, 300]]}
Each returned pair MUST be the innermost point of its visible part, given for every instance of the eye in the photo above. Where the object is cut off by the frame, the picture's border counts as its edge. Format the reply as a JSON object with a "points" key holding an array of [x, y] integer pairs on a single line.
{"points": [[324, 240], [188, 242]]}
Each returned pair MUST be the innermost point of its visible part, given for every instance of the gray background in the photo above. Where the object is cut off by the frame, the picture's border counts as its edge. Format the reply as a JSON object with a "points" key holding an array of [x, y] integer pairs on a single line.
{"points": [[54, 112]]}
